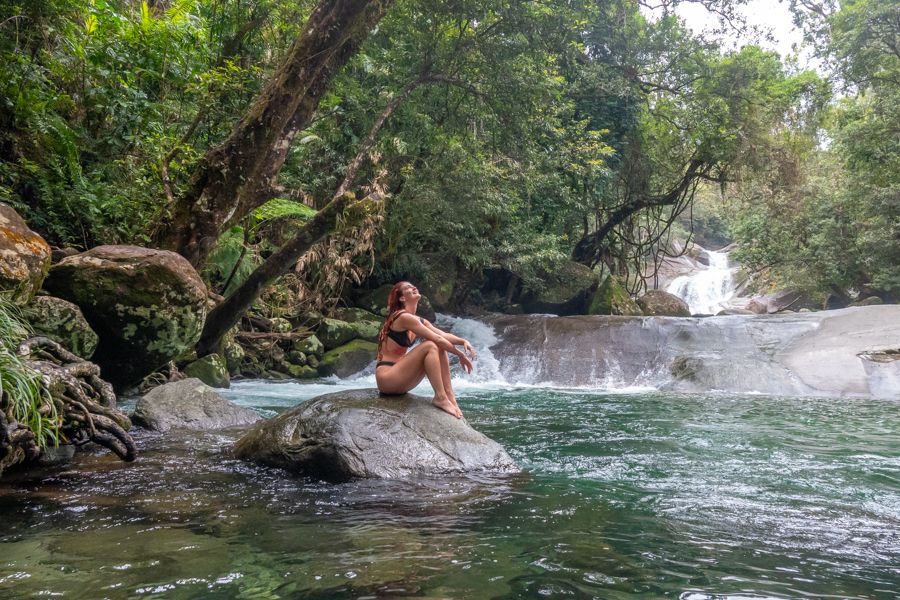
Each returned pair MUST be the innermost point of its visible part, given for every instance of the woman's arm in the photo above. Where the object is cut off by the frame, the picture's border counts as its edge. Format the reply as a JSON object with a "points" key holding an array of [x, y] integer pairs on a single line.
{"points": [[444, 341], [454, 339]]}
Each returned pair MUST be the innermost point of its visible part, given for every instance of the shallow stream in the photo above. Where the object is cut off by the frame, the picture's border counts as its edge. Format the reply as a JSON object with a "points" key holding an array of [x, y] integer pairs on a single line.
{"points": [[624, 495]]}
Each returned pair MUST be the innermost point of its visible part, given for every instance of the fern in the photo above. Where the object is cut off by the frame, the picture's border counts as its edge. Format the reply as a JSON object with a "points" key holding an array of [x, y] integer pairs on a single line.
{"points": [[23, 396], [231, 255], [280, 208]]}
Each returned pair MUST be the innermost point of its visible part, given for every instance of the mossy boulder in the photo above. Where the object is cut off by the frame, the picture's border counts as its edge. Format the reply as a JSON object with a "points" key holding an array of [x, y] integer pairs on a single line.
{"points": [[611, 298], [357, 315], [567, 291], [657, 303], [295, 357], [233, 352], [24, 256], [280, 325], [147, 306], [334, 333], [310, 346], [212, 370], [300, 371], [349, 359], [62, 322]]}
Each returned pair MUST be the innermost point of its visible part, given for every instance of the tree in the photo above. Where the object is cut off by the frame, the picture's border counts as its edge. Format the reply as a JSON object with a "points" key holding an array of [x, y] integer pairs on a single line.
{"points": [[240, 174]]}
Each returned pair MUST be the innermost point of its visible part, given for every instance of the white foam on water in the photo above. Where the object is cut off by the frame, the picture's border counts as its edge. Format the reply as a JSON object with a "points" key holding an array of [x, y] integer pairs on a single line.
{"points": [[707, 290]]}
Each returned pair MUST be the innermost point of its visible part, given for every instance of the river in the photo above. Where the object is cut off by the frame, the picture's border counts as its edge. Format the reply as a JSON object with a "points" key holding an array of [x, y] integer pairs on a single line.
{"points": [[625, 493]]}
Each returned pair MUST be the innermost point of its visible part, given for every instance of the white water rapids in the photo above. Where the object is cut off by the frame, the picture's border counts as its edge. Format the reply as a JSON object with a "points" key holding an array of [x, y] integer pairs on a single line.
{"points": [[841, 353], [707, 290]]}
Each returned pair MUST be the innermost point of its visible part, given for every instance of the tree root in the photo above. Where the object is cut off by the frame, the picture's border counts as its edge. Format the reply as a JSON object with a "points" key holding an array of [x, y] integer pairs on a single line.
{"points": [[85, 404]]}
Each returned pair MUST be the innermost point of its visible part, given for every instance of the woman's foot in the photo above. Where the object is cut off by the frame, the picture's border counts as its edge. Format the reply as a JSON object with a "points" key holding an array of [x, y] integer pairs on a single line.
{"points": [[459, 412], [447, 406]]}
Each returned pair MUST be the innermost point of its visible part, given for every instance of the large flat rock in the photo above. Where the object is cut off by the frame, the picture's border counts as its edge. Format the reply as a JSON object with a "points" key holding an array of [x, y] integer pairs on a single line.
{"points": [[360, 433], [852, 352]]}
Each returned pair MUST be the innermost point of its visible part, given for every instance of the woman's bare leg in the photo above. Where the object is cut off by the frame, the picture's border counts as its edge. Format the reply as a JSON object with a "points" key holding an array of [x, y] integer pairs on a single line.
{"points": [[422, 361], [448, 386]]}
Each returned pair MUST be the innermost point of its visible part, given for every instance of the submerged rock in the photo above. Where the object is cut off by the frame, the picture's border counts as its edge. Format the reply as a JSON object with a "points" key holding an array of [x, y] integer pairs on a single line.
{"points": [[362, 434], [24, 256], [147, 306], [189, 404]]}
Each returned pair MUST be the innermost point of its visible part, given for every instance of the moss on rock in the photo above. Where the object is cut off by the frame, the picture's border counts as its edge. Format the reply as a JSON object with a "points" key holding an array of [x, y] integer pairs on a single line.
{"points": [[62, 322], [147, 306], [611, 298], [348, 359], [212, 370]]}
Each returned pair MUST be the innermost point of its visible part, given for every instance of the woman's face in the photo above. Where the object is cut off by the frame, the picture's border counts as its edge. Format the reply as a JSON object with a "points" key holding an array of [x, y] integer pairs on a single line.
{"points": [[409, 292]]}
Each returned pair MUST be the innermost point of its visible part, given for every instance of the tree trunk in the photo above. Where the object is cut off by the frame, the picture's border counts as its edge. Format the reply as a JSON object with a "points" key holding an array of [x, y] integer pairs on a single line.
{"points": [[227, 314], [239, 174], [589, 248]]}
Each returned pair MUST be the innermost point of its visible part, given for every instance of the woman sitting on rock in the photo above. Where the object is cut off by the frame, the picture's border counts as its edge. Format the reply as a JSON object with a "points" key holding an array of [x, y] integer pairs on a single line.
{"points": [[399, 369]]}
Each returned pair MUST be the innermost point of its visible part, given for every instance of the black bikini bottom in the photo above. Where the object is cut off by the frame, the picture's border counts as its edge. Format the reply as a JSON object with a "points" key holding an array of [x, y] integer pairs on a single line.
{"points": [[384, 363]]}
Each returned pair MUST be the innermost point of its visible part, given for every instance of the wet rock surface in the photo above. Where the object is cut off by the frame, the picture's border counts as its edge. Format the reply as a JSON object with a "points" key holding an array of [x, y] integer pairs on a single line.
{"points": [[189, 404], [843, 353], [361, 434]]}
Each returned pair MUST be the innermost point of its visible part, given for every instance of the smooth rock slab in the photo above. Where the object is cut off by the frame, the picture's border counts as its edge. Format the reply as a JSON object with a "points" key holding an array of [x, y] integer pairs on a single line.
{"points": [[361, 434], [189, 404]]}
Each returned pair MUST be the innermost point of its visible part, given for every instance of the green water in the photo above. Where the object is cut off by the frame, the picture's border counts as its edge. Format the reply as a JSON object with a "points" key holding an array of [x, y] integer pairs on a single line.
{"points": [[623, 496]]}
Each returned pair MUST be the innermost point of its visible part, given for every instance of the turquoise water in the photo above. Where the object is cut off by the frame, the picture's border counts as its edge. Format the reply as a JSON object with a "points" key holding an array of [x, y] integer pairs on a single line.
{"points": [[638, 495]]}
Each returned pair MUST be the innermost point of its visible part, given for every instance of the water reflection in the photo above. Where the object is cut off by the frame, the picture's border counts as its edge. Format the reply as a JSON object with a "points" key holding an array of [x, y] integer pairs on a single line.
{"points": [[625, 496]]}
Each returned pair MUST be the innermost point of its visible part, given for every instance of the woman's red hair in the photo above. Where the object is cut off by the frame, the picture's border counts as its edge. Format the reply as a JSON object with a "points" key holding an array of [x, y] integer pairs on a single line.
{"points": [[394, 306]]}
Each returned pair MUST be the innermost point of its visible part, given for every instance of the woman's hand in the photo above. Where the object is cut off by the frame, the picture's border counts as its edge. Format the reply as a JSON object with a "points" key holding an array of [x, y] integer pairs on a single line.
{"points": [[465, 363], [469, 349]]}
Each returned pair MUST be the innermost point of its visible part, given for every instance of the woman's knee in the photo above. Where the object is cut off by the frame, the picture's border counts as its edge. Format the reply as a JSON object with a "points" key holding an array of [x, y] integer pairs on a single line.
{"points": [[429, 346]]}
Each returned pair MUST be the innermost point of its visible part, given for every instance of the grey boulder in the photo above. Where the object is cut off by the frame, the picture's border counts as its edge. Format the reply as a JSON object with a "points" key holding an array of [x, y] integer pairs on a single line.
{"points": [[189, 404], [360, 434]]}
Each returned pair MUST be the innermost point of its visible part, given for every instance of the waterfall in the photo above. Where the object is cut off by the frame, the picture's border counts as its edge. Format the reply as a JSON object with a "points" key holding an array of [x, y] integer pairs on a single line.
{"points": [[707, 290], [486, 367]]}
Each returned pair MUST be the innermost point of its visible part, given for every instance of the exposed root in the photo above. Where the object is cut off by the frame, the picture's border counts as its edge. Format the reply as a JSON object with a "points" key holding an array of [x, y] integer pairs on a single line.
{"points": [[85, 404]]}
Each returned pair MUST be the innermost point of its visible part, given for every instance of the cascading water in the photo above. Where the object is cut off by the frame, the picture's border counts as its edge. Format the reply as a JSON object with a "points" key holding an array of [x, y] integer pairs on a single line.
{"points": [[707, 290]]}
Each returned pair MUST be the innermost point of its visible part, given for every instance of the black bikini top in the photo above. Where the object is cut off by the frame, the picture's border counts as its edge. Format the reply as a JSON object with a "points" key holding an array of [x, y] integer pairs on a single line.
{"points": [[402, 337]]}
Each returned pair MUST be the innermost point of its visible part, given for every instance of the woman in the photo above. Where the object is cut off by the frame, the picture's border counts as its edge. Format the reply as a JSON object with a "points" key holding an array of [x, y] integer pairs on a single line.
{"points": [[399, 369]]}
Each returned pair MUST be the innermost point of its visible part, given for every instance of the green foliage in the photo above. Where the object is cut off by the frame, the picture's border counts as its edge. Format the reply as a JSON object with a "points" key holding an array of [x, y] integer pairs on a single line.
{"points": [[529, 127], [95, 93], [828, 217], [23, 395]]}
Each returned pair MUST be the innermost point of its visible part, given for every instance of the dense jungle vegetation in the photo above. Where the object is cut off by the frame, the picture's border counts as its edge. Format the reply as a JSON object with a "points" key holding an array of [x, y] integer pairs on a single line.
{"points": [[490, 136]]}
